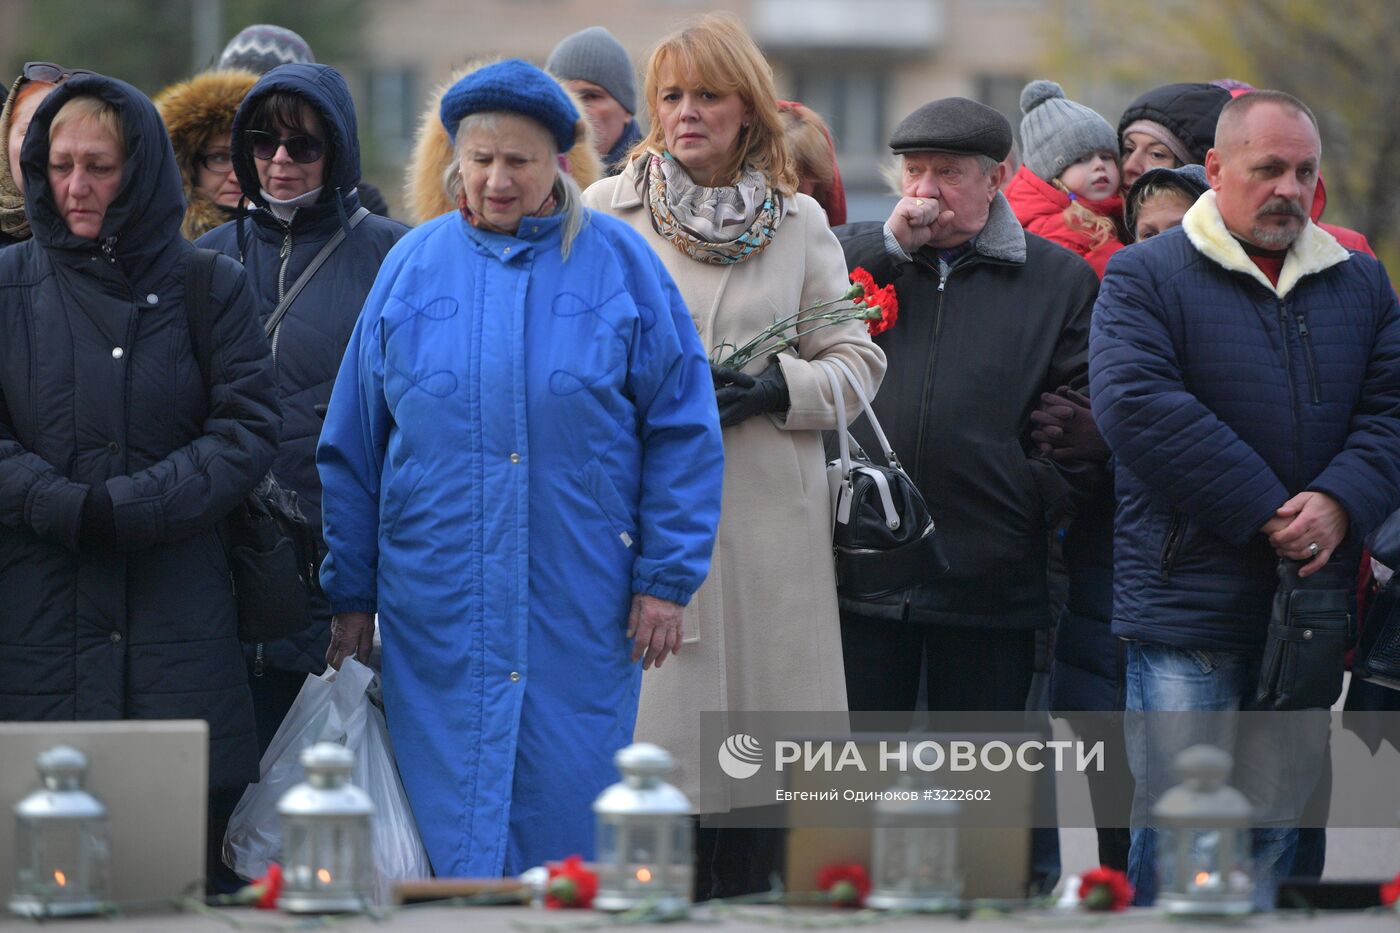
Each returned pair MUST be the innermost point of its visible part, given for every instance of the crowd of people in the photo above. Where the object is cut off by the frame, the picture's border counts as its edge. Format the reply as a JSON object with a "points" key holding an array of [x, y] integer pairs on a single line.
{"points": [[1135, 349]]}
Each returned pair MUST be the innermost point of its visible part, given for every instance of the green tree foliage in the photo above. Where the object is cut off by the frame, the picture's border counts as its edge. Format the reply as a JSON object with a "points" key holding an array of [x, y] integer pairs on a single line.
{"points": [[1341, 57], [150, 43]]}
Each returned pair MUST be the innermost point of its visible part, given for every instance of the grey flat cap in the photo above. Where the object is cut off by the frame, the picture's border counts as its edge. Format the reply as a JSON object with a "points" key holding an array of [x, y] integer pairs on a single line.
{"points": [[954, 124]]}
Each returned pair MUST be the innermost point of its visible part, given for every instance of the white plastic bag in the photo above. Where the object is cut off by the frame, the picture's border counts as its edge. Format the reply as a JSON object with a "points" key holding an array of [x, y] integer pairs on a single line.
{"points": [[332, 707]]}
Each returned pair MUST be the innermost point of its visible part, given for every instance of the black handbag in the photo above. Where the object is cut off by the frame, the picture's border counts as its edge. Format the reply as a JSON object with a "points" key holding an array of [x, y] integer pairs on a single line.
{"points": [[1310, 629], [882, 533], [271, 547], [1378, 656]]}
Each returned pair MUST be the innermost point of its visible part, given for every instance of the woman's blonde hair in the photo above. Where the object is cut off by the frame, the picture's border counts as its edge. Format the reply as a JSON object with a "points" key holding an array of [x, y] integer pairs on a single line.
{"points": [[88, 109], [1077, 217], [715, 52]]}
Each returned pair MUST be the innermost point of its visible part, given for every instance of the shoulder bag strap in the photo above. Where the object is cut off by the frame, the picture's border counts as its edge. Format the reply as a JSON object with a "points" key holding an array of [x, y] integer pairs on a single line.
{"points": [[290, 296], [199, 280]]}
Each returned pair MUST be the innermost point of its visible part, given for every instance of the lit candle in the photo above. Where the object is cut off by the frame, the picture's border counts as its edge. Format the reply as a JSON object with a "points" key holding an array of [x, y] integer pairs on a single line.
{"points": [[323, 876], [61, 878], [644, 875]]}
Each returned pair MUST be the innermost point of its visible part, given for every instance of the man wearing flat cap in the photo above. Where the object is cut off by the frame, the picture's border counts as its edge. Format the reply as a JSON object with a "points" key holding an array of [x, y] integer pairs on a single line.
{"points": [[989, 318]]}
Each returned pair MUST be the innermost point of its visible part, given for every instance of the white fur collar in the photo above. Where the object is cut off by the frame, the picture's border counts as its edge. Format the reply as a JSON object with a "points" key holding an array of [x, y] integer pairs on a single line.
{"points": [[1313, 251]]}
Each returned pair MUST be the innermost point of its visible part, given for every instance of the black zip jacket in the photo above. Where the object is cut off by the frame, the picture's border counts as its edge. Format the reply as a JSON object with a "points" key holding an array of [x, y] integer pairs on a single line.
{"points": [[974, 347]]}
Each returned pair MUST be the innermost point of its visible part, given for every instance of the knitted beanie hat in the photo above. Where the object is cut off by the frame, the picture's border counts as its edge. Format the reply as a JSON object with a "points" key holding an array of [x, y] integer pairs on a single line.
{"points": [[263, 47], [517, 87], [594, 55], [1056, 132]]}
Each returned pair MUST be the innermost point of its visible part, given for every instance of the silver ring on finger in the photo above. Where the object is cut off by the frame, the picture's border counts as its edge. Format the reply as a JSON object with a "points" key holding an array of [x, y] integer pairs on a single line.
{"points": [[1313, 549]]}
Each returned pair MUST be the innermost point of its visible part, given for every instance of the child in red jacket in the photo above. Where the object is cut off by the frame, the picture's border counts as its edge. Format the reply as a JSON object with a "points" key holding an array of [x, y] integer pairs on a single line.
{"points": [[1067, 189]]}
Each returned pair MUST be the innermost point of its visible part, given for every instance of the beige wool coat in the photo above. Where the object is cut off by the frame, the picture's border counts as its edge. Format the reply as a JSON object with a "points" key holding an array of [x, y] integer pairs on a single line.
{"points": [[762, 633]]}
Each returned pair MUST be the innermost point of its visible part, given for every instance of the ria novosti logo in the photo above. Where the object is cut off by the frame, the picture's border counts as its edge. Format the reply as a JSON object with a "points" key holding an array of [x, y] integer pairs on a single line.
{"points": [[740, 756]]}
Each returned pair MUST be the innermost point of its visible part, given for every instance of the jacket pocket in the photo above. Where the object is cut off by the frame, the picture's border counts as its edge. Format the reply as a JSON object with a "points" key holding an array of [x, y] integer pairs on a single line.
{"points": [[609, 501], [1171, 544]]}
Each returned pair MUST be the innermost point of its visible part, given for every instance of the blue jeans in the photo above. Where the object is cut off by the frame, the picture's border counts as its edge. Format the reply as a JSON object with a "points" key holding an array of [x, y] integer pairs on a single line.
{"points": [[1161, 678]]}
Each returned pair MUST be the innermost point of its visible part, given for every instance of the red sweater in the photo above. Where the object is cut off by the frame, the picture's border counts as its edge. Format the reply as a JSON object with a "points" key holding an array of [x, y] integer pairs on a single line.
{"points": [[1040, 207]]}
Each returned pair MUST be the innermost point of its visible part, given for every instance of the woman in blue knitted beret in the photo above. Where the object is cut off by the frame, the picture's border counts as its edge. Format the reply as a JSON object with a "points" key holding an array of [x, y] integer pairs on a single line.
{"points": [[522, 467]]}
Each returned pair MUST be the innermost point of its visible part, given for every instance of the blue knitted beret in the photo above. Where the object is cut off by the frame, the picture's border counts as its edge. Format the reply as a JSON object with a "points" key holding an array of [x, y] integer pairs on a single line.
{"points": [[517, 87]]}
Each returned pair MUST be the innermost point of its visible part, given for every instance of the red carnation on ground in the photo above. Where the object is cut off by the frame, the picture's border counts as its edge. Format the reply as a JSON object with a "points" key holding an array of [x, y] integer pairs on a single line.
{"points": [[1105, 889], [570, 884], [845, 885], [263, 892], [1390, 892]]}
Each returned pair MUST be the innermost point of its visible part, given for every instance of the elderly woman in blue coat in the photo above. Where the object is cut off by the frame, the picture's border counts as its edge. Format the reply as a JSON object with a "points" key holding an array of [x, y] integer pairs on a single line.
{"points": [[522, 468]]}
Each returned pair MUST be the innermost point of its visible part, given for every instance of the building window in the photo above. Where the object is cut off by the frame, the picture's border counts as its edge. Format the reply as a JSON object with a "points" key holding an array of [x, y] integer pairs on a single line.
{"points": [[1002, 93], [853, 102], [393, 104]]}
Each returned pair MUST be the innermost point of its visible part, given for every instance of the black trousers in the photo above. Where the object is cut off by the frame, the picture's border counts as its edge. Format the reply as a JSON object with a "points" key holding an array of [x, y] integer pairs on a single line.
{"points": [[969, 669]]}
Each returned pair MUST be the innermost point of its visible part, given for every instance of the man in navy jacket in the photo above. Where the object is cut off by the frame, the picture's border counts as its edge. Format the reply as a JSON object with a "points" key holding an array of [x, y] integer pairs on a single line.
{"points": [[1245, 371]]}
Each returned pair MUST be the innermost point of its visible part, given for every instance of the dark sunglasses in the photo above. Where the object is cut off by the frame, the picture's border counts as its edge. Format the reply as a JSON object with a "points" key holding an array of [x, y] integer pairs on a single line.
{"points": [[303, 149], [49, 73]]}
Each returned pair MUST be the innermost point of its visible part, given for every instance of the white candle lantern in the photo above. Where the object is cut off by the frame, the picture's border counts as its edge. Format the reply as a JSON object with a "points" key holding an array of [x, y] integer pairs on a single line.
{"points": [[644, 836], [915, 851], [62, 846], [1204, 860], [327, 859]]}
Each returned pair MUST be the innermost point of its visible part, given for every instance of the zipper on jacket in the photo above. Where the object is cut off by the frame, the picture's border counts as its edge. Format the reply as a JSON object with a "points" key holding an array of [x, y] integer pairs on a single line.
{"points": [[1292, 401], [944, 271], [285, 254], [258, 660], [1306, 336], [1172, 546]]}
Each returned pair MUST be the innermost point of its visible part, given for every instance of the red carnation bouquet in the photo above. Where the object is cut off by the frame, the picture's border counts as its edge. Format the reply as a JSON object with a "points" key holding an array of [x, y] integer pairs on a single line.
{"points": [[863, 301]]}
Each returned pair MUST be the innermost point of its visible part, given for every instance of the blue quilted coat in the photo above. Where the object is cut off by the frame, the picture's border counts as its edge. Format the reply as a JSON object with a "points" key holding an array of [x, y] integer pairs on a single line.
{"points": [[516, 444], [1222, 396]]}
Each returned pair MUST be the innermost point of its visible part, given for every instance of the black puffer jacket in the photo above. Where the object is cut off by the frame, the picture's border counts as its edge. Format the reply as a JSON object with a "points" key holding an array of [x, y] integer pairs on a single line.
{"points": [[99, 387], [968, 360], [311, 339]]}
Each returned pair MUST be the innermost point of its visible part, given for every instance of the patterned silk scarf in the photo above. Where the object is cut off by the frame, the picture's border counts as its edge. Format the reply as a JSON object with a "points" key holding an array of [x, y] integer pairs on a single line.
{"points": [[714, 225]]}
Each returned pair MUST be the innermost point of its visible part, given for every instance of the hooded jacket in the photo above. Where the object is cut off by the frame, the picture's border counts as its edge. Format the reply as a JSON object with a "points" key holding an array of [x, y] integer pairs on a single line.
{"points": [[194, 111], [1223, 395], [1040, 207], [425, 191], [308, 345], [975, 345], [99, 386]]}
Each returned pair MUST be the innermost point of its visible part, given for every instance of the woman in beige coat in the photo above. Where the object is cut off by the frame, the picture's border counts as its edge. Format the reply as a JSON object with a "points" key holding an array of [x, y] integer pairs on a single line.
{"points": [[712, 189]]}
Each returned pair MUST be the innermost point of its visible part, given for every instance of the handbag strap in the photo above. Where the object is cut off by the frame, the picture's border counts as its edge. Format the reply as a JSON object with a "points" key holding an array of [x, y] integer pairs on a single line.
{"points": [[199, 280], [869, 410], [291, 294]]}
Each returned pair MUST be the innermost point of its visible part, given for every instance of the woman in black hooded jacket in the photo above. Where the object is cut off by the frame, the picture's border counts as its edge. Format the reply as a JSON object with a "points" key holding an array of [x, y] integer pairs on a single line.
{"points": [[116, 463]]}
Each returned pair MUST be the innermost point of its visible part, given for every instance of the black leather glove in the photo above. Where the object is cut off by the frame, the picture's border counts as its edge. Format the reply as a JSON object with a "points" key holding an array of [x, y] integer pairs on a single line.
{"points": [[1065, 429], [98, 529], [746, 396]]}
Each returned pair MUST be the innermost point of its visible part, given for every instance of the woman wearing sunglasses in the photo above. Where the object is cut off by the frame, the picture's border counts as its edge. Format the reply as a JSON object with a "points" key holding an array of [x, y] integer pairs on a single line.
{"points": [[296, 155], [116, 462], [198, 114], [26, 93]]}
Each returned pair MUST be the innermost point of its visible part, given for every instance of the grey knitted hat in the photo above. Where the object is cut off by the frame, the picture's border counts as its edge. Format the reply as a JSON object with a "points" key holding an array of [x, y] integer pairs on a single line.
{"points": [[263, 47], [1055, 132], [594, 55]]}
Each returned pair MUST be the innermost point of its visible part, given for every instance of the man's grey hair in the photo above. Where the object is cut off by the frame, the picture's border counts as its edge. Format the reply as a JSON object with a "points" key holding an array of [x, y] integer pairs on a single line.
{"points": [[568, 199], [892, 171], [1234, 111]]}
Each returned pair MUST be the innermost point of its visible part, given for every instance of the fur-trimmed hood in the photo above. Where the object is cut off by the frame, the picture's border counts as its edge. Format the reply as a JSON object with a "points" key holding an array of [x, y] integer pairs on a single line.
{"points": [[425, 194], [193, 111], [1313, 251]]}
